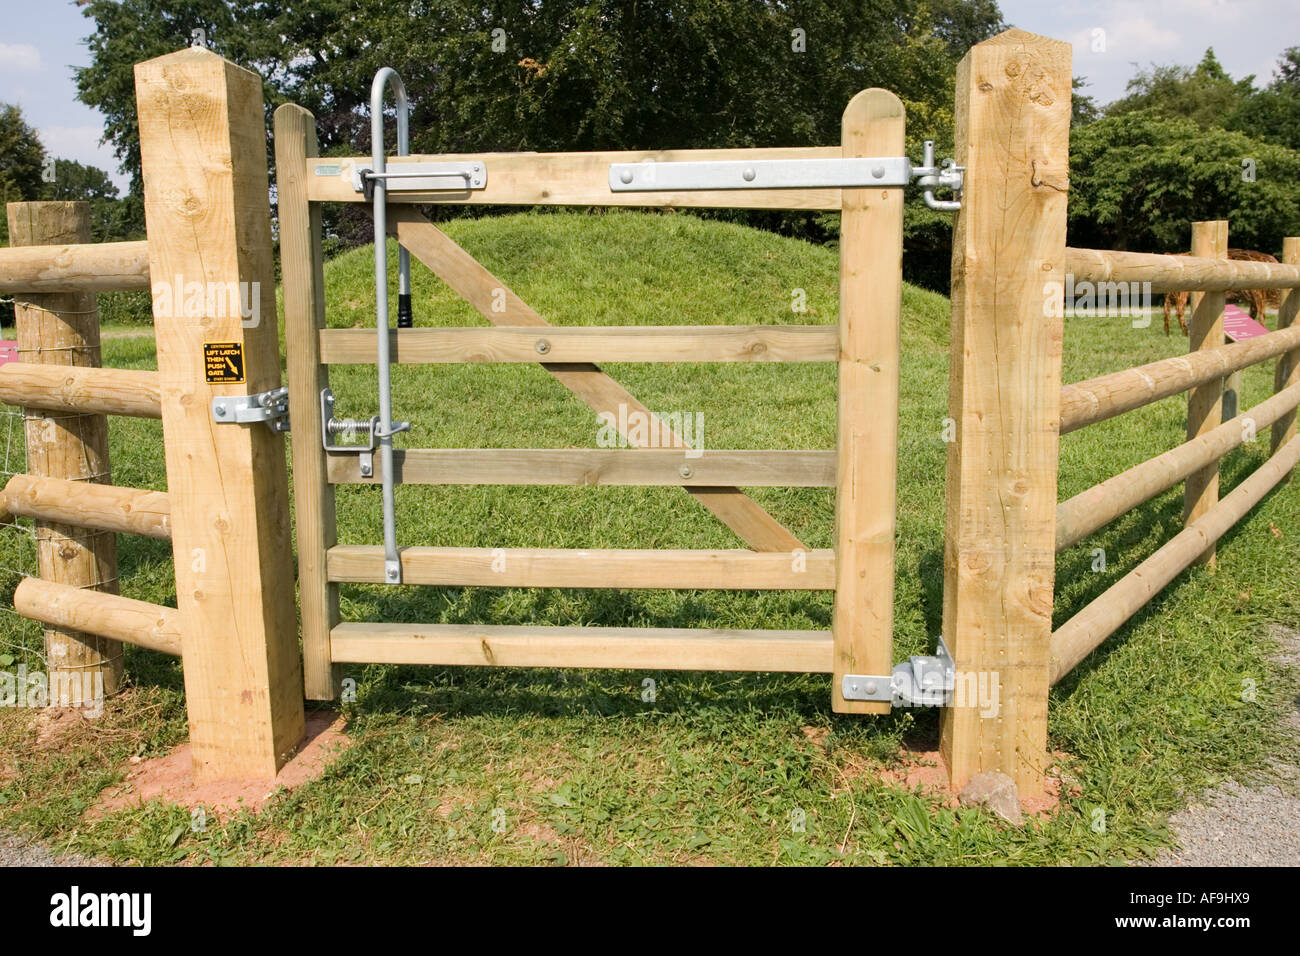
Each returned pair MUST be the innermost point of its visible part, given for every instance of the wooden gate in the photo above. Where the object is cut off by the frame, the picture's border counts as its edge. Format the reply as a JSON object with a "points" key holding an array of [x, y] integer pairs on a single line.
{"points": [[860, 567]]}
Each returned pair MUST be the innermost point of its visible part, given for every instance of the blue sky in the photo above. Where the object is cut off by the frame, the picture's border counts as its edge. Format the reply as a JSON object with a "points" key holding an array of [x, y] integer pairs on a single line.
{"points": [[43, 39]]}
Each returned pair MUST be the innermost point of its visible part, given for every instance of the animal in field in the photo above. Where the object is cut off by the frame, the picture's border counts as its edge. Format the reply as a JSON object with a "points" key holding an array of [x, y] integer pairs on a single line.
{"points": [[1259, 299]]}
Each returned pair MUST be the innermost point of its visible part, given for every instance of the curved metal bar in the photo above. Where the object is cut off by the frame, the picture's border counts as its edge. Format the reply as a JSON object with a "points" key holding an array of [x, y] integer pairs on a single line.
{"points": [[384, 433]]}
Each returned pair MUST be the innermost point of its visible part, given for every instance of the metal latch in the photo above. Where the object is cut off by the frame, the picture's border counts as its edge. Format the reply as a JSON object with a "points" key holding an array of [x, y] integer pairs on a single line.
{"points": [[270, 407], [923, 680], [346, 428], [421, 177], [829, 173]]}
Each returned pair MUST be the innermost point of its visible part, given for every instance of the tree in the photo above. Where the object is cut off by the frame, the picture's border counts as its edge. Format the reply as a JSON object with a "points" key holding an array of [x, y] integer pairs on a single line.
{"points": [[1139, 179], [1273, 114], [22, 158], [111, 218], [487, 75], [1206, 95], [1083, 108]]}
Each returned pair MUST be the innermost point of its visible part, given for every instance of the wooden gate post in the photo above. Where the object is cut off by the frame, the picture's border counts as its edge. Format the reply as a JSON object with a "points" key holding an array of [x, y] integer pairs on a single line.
{"points": [[871, 290], [302, 272], [207, 209], [63, 329], [1287, 371], [1205, 402], [1013, 129]]}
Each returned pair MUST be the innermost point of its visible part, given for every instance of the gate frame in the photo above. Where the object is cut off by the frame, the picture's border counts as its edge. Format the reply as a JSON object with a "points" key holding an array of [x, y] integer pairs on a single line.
{"points": [[861, 638]]}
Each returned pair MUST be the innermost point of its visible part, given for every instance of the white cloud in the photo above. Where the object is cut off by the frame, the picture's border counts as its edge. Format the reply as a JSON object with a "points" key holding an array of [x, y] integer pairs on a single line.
{"points": [[19, 57], [81, 143]]}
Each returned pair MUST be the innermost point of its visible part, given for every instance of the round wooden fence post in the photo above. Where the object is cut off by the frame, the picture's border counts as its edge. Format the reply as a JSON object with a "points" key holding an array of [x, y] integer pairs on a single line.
{"points": [[1205, 402], [1287, 371], [63, 329]]}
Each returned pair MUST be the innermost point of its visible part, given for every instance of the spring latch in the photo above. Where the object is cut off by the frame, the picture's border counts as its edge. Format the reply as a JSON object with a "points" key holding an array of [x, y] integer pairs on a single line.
{"points": [[350, 429]]}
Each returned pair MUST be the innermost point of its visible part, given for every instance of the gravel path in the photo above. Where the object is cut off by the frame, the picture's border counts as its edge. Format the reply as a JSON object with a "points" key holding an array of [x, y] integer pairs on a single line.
{"points": [[17, 851], [1234, 825]]}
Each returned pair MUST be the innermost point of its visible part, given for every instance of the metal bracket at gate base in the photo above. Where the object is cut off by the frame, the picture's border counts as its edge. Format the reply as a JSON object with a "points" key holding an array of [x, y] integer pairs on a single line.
{"points": [[830, 173], [270, 407], [920, 681], [422, 177]]}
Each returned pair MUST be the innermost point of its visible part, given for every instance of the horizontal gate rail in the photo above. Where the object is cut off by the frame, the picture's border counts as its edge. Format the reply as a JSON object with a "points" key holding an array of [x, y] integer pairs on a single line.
{"points": [[633, 648], [662, 343], [576, 179], [594, 466], [595, 568]]}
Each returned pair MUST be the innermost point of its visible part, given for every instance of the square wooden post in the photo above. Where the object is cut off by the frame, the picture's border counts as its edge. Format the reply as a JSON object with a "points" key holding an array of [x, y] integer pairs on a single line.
{"points": [[871, 290], [1205, 402], [1287, 371], [1013, 129], [63, 329], [303, 274], [207, 209]]}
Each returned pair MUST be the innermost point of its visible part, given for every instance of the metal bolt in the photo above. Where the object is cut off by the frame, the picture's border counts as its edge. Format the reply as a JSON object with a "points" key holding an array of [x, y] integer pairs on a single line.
{"points": [[685, 471], [871, 687], [626, 175], [220, 410], [542, 346], [878, 172], [749, 174]]}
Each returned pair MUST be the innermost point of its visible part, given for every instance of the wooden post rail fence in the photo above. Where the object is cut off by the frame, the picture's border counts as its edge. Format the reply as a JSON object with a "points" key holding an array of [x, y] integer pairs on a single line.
{"points": [[226, 507]]}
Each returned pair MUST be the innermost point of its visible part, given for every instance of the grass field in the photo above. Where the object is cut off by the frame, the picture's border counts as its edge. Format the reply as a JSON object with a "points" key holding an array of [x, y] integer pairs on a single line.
{"points": [[511, 766]]}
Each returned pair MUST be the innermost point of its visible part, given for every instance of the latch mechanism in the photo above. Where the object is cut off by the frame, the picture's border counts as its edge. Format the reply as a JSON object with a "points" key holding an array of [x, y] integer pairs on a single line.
{"points": [[346, 428], [829, 173], [270, 407], [923, 680], [421, 177]]}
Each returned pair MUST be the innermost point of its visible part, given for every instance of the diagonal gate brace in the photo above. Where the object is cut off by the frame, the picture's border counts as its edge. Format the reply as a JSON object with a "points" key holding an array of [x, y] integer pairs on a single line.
{"points": [[484, 291]]}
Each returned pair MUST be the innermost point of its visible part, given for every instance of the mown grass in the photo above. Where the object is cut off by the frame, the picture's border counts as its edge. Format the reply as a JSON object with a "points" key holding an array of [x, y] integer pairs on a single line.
{"points": [[550, 766]]}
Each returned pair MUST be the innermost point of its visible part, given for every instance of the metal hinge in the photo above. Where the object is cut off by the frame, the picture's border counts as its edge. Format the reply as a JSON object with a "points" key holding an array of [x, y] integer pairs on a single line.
{"points": [[270, 407], [923, 680], [422, 177], [828, 173]]}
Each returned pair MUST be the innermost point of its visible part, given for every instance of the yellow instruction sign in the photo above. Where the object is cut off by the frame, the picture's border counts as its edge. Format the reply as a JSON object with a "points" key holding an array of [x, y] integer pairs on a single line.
{"points": [[224, 362]]}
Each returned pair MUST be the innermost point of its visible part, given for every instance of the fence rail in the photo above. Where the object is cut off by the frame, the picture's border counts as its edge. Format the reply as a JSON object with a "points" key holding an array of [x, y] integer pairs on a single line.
{"points": [[1167, 273], [76, 267]]}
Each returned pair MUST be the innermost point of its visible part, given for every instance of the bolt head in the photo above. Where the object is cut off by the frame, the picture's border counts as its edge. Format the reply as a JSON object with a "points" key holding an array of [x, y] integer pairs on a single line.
{"points": [[749, 174], [878, 172], [685, 471], [220, 411], [625, 176]]}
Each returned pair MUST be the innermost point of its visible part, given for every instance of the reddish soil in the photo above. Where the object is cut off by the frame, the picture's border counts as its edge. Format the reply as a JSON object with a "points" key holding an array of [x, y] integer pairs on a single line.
{"points": [[170, 778], [925, 770]]}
